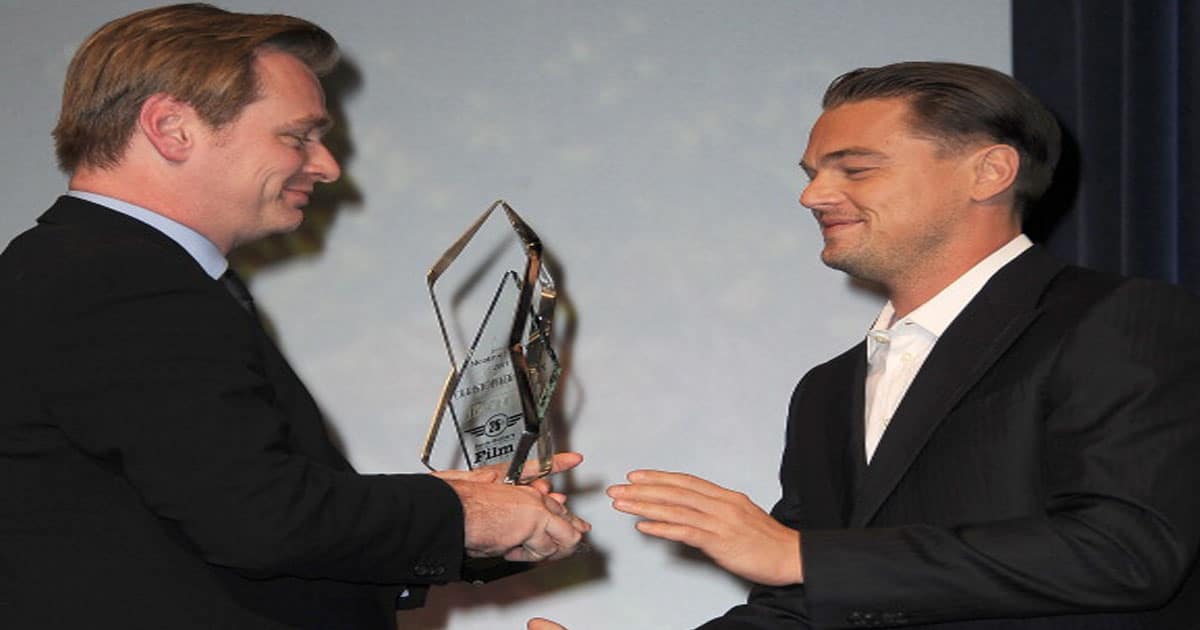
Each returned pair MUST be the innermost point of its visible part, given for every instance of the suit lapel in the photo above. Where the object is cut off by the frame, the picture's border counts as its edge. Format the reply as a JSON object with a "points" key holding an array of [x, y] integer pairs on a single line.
{"points": [[856, 464], [833, 474], [985, 329], [831, 417]]}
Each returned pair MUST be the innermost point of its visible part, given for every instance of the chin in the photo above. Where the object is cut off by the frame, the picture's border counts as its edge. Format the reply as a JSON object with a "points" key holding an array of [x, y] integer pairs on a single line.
{"points": [[290, 218], [844, 262], [830, 257]]}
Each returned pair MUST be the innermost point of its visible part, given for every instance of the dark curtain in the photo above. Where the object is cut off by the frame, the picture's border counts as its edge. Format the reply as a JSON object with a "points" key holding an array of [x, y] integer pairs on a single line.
{"points": [[1121, 77]]}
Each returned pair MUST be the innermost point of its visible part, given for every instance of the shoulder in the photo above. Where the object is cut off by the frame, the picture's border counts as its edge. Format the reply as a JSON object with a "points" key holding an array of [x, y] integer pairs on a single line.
{"points": [[1147, 312], [833, 375], [1104, 295], [85, 261]]}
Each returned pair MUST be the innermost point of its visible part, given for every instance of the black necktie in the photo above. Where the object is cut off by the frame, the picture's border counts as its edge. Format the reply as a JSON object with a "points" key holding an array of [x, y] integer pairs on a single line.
{"points": [[233, 283]]}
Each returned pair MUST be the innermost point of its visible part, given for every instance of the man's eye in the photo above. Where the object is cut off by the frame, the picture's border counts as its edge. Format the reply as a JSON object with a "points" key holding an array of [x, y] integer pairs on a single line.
{"points": [[853, 172], [296, 139]]}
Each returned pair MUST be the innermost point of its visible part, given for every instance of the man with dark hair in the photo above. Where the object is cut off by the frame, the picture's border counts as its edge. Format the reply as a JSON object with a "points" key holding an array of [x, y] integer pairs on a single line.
{"points": [[163, 467], [1013, 445]]}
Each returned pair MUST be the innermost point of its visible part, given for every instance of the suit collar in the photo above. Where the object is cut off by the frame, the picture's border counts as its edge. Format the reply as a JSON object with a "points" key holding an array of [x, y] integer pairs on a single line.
{"points": [[69, 210], [95, 215], [197, 245], [972, 343]]}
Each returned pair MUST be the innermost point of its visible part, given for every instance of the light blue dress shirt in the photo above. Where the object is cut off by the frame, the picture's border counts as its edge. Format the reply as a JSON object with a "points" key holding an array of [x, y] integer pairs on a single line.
{"points": [[200, 248]]}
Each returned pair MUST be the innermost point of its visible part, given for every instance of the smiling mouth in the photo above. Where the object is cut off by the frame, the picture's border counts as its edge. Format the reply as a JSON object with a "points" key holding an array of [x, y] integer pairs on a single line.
{"points": [[830, 225], [305, 194]]}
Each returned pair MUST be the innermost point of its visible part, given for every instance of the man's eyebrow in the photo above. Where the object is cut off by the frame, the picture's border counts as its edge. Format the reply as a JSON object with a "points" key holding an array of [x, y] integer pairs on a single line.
{"points": [[840, 154], [318, 123]]}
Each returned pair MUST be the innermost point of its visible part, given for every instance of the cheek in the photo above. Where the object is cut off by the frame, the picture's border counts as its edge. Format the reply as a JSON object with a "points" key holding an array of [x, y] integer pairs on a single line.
{"points": [[274, 170], [292, 164], [876, 200]]}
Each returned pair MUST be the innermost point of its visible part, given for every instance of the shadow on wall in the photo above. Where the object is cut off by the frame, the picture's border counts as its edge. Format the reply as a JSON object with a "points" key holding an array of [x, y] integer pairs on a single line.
{"points": [[1043, 219], [327, 200], [585, 566]]}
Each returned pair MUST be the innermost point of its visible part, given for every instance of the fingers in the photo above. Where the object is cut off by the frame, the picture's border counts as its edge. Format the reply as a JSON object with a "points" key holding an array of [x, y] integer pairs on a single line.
{"points": [[578, 523], [541, 485], [676, 480], [528, 553], [726, 525], [565, 461], [676, 514], [564, 533], [671, 531], [538, 623], [673, 497], [558, 538], [529, 523], [560, 462], [479, 475], [517, 522]]}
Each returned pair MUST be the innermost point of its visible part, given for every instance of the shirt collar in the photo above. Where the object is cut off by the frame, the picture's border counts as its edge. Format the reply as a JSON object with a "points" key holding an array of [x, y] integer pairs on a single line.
{"points": [[936, 314], [197, 246]]}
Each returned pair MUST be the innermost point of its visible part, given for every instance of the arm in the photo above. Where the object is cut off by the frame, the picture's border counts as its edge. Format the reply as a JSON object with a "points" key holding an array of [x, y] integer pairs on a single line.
{"points": [[173, 388], [1098, 518], [169, 387]]}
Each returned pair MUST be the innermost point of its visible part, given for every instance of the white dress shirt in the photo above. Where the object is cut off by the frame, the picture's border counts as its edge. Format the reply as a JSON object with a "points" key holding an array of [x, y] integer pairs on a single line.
{"points": [[897, 350]]}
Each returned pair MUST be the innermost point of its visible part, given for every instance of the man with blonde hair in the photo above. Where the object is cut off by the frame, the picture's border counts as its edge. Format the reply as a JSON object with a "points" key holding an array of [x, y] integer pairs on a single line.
{"points": [[163, 466]]}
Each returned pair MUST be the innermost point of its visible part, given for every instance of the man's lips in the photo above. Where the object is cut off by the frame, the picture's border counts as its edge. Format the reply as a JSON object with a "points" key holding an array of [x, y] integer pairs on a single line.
{"points": [[835, 224], [305, 193]]}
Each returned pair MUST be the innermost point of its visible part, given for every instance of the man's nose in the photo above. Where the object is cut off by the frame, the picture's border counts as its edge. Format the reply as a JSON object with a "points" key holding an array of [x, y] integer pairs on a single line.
{"points": [[818, 193], [322, 164]]}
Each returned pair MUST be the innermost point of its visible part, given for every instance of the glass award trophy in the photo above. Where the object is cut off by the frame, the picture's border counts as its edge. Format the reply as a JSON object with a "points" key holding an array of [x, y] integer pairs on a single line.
{"points": [[503, 370]]}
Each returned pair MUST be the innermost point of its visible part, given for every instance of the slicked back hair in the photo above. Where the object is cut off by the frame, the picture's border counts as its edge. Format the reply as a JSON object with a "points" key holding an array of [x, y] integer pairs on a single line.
{"points": [[197, 53], [956, 105]]}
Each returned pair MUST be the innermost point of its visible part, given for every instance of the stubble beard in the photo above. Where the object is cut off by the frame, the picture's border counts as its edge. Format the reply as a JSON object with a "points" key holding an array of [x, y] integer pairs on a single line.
{"points": [[890, 264], [860, 262]]}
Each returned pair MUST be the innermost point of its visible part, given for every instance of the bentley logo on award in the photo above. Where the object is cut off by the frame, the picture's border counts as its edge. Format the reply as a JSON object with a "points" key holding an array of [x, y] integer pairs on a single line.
{"points": [[496, 396]]}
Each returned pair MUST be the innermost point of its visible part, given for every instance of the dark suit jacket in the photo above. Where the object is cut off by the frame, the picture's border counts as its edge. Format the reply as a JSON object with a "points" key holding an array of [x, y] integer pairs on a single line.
{"points": [[1041, 471], [163, 467]]}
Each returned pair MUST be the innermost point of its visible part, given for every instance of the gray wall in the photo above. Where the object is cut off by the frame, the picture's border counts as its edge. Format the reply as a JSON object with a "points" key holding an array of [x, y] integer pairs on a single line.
{"points": [[654, 147]]}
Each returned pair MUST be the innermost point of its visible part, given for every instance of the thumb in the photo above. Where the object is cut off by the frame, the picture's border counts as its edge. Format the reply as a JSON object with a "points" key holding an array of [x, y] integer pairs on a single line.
{"points": [[482, 475], [538, 623]]}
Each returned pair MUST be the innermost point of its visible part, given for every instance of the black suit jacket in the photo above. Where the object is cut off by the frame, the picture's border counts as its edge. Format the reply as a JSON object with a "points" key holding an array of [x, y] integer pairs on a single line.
{"points": [[163, 467], [1039, 473]]}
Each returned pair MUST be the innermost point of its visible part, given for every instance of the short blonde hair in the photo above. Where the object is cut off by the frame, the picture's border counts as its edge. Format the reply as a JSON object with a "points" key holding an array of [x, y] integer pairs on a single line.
{"points": [[197, 53]]}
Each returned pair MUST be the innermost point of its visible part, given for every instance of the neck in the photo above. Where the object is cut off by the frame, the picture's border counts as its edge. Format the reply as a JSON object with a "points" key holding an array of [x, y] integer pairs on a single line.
{"points": [[142, 189], [923, 282]]}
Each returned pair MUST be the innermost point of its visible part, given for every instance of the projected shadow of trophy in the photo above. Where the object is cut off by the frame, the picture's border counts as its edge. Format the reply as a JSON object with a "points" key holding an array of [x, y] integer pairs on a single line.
{"points": [[496, 327]]}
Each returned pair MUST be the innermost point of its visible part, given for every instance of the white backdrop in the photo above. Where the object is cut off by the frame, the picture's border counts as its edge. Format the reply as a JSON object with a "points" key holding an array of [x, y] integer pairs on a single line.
{"points": [[653, 145]]}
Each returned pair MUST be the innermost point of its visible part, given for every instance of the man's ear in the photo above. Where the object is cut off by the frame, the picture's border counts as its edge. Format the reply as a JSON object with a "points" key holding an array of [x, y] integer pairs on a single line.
{"points": [[167, 123], [996, 170]]}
